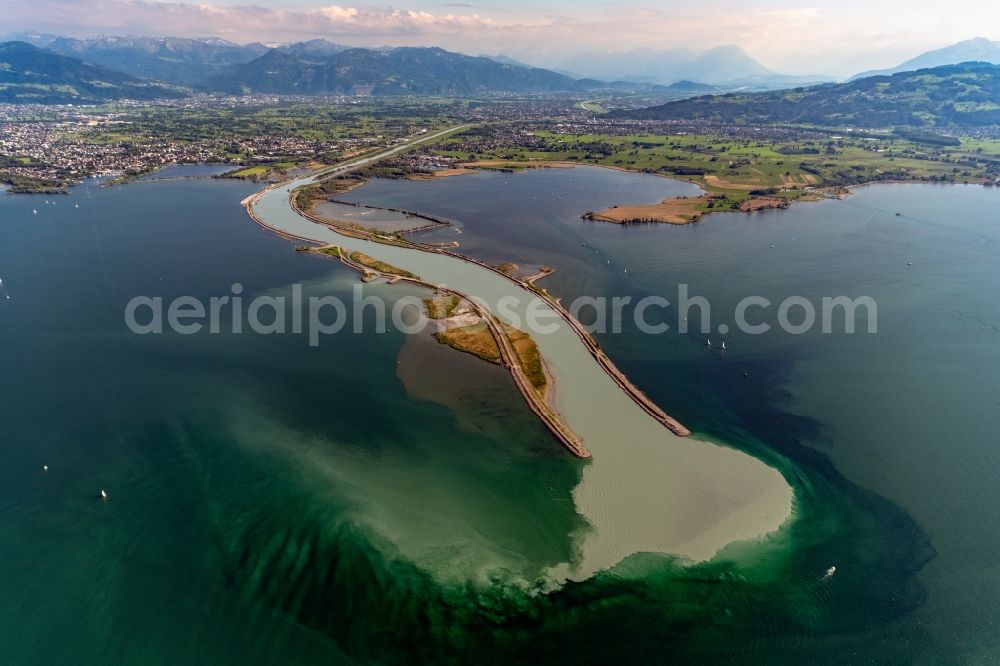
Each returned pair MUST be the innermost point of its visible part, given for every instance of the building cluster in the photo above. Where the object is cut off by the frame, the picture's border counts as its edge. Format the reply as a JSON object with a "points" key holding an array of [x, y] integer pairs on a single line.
{"points": [[61, 151], [497, 137], [500, 109], [62, 145], [68, 150], [423, 160]]}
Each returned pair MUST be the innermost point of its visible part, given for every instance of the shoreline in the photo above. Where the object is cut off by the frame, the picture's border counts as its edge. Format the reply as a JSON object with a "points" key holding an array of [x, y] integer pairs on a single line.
{"points": [[596, 352], [672, 209], [538, 404], [657, 491], [538, 401], [568, 439], [636, 394], [432, 222]]}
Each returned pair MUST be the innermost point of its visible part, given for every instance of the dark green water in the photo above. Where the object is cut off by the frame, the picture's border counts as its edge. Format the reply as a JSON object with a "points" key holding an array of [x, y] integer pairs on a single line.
{"points": [[275, 503], [897, 428]]}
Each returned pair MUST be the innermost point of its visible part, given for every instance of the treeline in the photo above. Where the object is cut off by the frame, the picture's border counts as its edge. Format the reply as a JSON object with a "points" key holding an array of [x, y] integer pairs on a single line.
{"points": [[24, 185], [307, 196], [929, 138], [390, 170]]}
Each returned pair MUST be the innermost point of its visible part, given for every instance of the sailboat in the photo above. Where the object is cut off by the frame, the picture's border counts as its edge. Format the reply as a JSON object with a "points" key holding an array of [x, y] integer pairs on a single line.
{"points": [[708, 343], [723, 345], [35, 211]]}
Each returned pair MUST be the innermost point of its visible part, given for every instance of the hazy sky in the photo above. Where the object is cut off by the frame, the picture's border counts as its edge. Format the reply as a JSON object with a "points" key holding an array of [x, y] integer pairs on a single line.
{"points": [[838, 37]]}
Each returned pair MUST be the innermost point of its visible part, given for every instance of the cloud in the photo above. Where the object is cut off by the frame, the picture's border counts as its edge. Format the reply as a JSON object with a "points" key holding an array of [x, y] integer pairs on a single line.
{"points": [[238, 22], [832, 36]]}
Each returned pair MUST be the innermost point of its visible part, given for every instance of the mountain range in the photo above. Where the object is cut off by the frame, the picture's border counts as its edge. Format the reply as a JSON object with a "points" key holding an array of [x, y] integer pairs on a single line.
{"points": [[970, 50], [184, 62], [178, 60], [194, 61], [965, 95], [316, 67], [107, 68], [32, 75], [728, 66], [398, 71]]}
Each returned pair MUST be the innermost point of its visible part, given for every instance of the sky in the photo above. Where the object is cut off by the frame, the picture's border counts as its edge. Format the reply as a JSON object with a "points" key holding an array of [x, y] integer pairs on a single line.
{"points": [[830, 37]]}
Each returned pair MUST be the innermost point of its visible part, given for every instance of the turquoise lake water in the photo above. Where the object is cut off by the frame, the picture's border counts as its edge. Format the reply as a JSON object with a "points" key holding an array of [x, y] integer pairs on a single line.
{"points": [[275, 502]]}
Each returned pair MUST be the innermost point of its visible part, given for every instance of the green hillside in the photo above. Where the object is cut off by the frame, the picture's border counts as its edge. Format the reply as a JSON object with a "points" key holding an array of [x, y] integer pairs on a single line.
{"points": [[966, 95], [401, 71], [32, 75]]}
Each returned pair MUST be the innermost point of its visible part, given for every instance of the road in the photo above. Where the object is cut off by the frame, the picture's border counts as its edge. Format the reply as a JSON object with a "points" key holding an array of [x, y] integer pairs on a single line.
{"points": [[369, 159]]}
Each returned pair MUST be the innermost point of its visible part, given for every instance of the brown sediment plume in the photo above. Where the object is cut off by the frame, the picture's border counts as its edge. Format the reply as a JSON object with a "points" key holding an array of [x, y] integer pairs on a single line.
{"points": [[527, 368]]}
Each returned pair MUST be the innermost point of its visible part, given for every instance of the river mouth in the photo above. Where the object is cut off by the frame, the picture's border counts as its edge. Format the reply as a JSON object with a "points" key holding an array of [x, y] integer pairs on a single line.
{"points": [[262, 488], [649, 490], [907, 246]]}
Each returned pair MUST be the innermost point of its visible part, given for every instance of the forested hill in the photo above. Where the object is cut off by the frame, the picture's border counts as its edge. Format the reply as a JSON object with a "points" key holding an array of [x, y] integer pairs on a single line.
{"points": [[400, 71], [32, 75], [965, 95]]}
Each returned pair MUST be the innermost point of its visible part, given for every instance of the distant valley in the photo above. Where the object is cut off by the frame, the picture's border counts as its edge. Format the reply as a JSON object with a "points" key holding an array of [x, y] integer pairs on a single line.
{"points": [[727, 66], [720, 85]]}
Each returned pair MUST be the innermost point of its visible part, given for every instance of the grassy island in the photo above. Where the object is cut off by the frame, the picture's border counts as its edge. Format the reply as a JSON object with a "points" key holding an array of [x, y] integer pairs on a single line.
{"points": [[442, 308], [307, 197], [376, 265], [529, 357], [476, 339], [479, 339], [358, 260], [508, 267]]}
